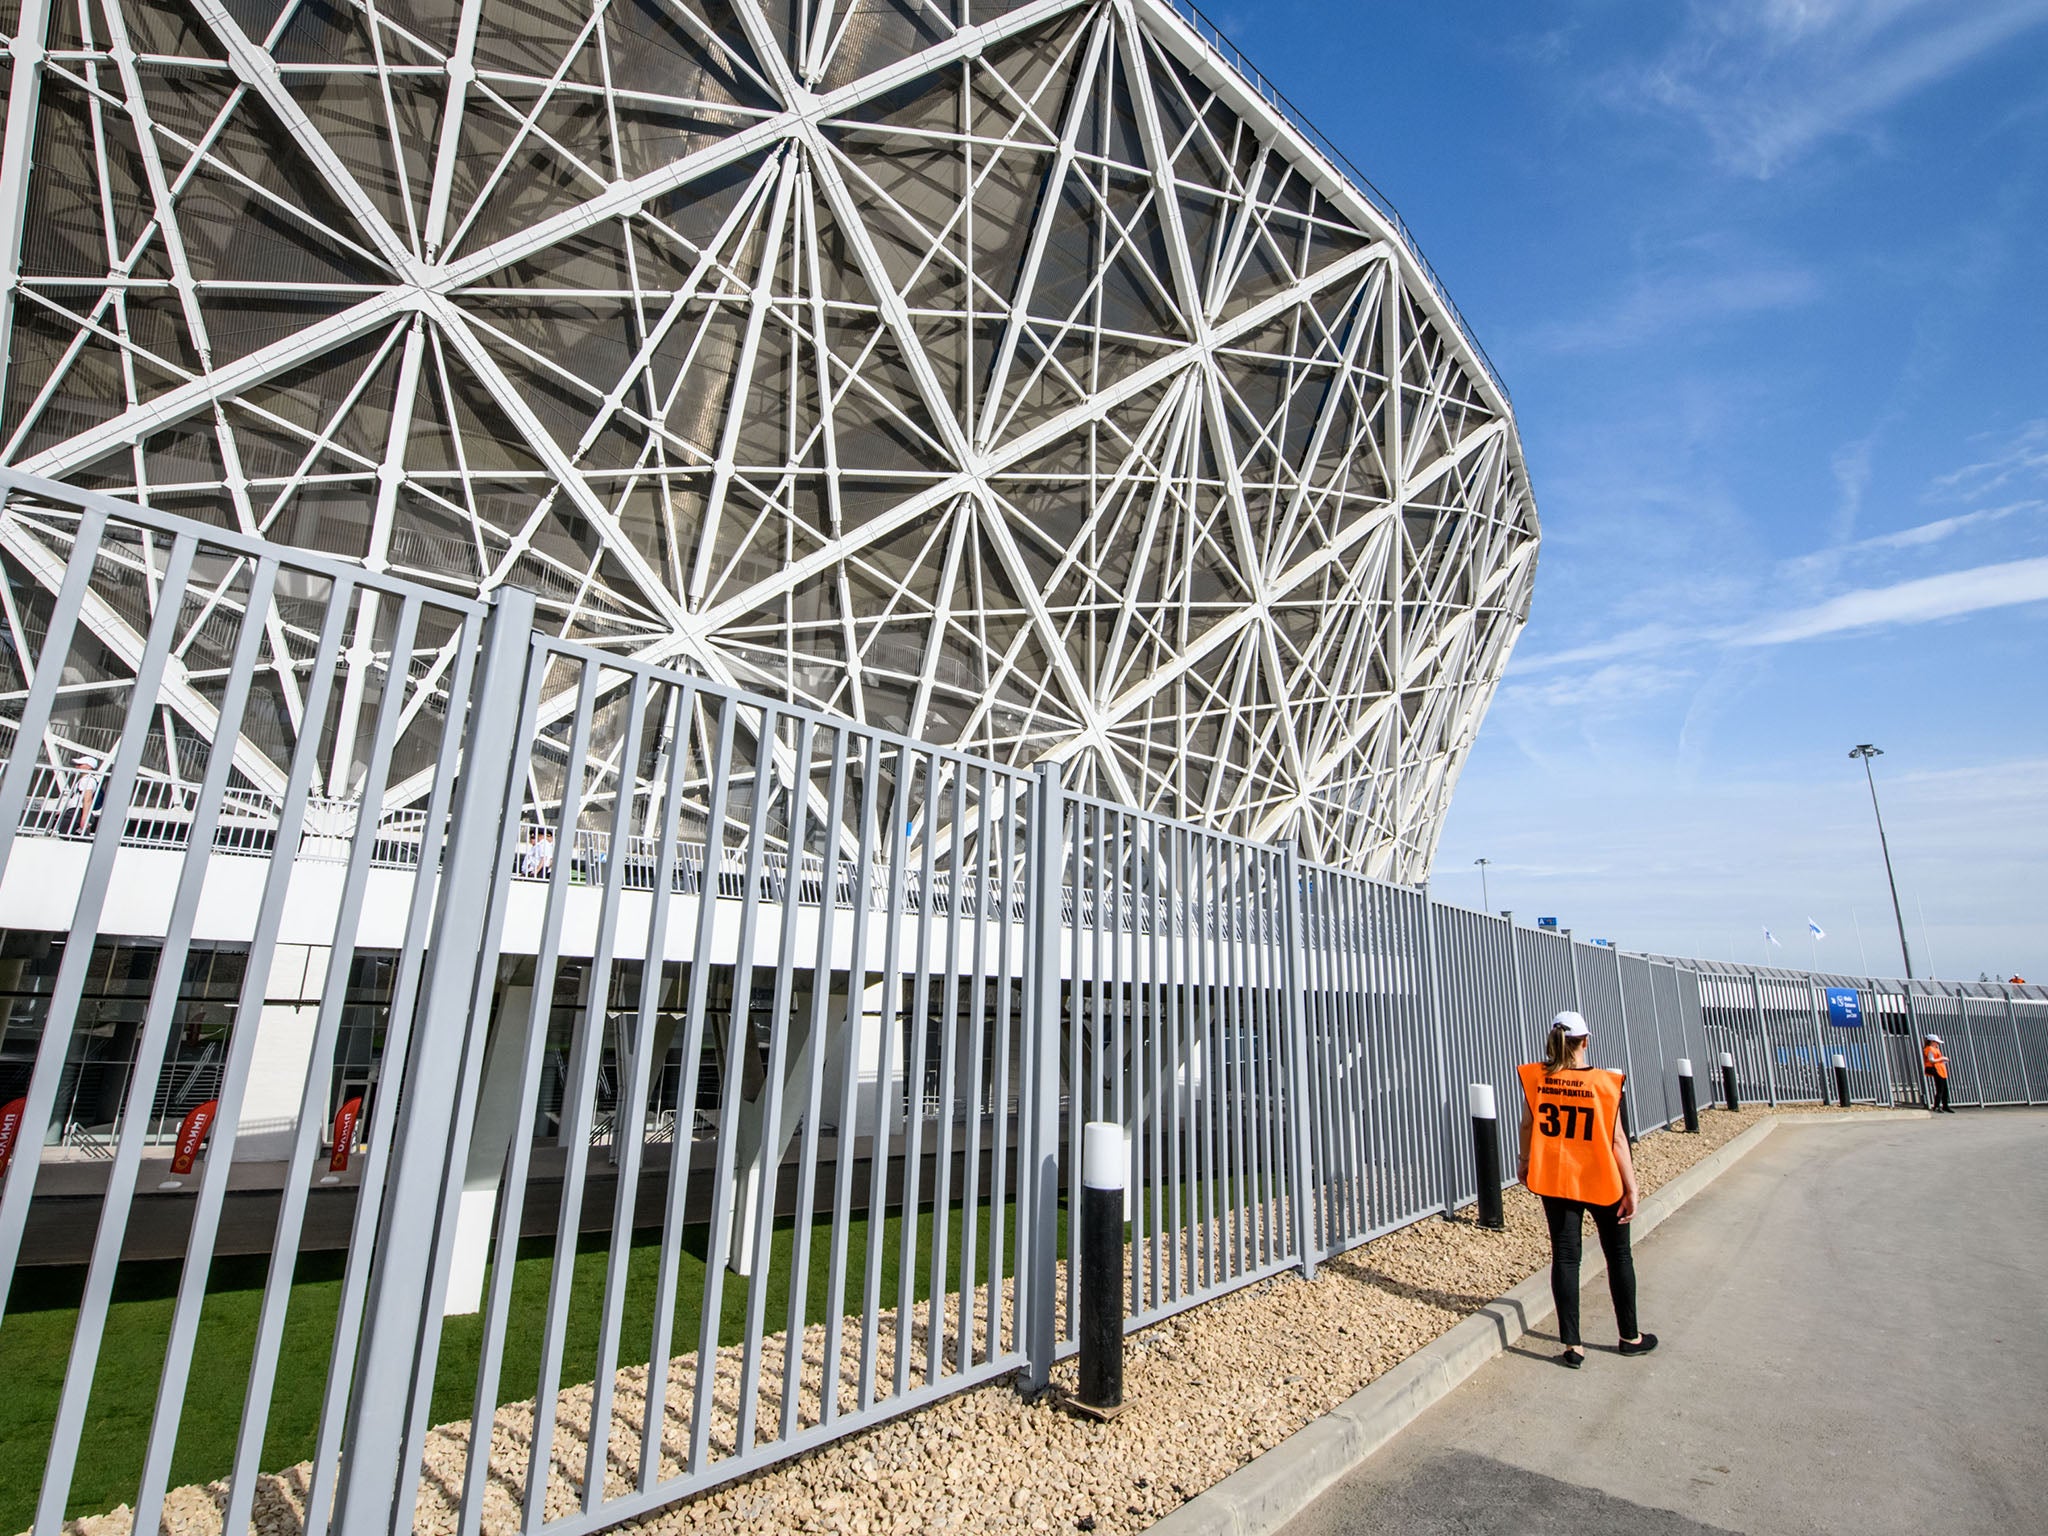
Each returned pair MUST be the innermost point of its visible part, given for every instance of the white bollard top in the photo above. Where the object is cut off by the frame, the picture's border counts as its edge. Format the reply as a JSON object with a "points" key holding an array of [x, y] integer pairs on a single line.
{"points": [[1841, 1061], [1727, 1058], [1480, 1097], [1102, 1155], [1685, 1066]]}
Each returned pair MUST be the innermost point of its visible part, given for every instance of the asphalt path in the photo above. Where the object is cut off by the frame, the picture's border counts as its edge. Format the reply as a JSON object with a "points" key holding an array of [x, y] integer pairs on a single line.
{"points": [[1854, 1326]]}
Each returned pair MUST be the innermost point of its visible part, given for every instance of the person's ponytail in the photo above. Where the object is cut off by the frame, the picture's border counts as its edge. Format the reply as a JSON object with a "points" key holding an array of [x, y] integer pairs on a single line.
{"points": [[1557, 1050]]}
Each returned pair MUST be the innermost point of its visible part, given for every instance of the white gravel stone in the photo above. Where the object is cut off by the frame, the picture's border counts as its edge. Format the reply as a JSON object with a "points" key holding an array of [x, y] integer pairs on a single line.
{"points": [[1208, 1390]]}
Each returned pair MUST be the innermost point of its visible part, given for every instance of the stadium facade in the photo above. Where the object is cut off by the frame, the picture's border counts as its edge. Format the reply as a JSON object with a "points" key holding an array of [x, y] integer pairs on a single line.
{"points": [[1022, 378]]}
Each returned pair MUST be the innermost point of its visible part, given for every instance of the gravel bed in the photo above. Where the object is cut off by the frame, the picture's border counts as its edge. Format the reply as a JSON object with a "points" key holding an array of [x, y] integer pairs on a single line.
{"points": [[1209, 1390]]}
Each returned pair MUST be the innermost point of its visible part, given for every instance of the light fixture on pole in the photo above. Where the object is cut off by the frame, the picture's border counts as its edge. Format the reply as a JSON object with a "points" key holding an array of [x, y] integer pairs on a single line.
{"points": [[1865, 752], [1485, 902]]}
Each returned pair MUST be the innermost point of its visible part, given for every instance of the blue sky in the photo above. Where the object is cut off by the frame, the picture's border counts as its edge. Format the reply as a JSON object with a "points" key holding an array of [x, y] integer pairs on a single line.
{"points": [[1769, 282]]}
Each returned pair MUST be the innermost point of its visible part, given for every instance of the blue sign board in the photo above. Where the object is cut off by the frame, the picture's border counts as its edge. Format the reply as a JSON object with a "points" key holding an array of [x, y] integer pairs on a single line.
{"points": [[1844, 1011], [1546, 922]]}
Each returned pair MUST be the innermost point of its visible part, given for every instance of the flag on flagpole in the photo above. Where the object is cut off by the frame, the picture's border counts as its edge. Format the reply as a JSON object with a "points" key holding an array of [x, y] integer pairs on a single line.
{"points": [[1772, 937], [1816, 929]]}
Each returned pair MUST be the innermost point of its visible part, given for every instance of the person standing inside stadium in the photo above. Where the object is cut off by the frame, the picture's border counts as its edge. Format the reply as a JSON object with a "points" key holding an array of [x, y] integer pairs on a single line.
{"points": [[1574, 1155]]}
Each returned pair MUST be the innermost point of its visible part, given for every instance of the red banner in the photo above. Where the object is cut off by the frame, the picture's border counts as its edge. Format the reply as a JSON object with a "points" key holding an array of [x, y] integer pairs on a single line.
{"points": [[192, 1134], [11, 1116], [344, 1135]]}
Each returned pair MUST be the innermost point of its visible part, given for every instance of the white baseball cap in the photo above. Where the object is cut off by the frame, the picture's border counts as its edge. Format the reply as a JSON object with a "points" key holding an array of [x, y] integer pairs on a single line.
{"points": [[1573, 1024], [1935, 1038]]}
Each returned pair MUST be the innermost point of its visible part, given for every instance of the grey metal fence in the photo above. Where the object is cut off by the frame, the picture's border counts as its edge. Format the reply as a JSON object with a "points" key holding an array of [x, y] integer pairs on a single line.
{"points": [[622, 1081]]}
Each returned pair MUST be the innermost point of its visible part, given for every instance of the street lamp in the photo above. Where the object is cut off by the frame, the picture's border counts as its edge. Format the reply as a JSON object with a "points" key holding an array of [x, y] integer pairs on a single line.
{"points": [[1485, 901], [1866, 752]]}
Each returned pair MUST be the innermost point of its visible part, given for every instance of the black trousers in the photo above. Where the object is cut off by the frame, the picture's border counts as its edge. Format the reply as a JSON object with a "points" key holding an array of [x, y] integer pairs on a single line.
{"points": [[1940, 1090], [1567, 1220]]}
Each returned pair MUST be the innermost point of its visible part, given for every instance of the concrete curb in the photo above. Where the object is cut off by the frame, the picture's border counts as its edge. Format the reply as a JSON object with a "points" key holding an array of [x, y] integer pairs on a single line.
{"points": [[1266, 1493]]}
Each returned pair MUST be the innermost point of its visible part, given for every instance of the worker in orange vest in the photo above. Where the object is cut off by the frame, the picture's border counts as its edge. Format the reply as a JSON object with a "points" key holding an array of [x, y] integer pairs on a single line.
{"points": [[1935, 1065], [1574, 1154]]}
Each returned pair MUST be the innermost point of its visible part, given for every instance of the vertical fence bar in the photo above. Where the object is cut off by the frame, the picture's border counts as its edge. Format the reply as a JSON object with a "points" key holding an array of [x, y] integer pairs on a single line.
{"points": [[1770, 1055], [2019, 1047], [1447, 1127], [1038, 1176], [867, 838], [1628, 1054], [1294, 963]]}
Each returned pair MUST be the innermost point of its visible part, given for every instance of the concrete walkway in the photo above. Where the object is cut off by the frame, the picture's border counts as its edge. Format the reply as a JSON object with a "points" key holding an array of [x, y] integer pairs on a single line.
{"points": [[1855, 1337]]}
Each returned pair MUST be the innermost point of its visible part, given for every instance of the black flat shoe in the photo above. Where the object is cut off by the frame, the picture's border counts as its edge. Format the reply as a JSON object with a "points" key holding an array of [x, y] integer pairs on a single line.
{"points": [[1641, 1346], [1572, 1359]]}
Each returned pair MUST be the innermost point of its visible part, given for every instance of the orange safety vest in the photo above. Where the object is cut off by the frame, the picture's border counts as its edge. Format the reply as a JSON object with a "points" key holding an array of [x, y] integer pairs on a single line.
{"points": [[1937, 1064], [1571, 1152]]}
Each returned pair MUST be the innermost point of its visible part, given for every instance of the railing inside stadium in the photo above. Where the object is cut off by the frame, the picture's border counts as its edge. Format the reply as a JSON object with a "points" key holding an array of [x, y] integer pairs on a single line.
{"points": [[857, 1092]]}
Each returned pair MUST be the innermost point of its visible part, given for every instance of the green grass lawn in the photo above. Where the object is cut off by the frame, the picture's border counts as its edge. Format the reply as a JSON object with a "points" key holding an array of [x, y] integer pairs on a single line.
{"points": [[35, 1342]]}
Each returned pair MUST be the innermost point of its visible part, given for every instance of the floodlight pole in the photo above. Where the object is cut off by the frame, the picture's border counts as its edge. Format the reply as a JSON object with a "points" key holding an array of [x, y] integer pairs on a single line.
{"points": [[1866, 752], [1485, 901]]}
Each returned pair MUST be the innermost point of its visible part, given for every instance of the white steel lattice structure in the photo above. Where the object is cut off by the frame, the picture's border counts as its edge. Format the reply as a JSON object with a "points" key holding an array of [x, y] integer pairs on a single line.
{"points": [[1015, 376]]}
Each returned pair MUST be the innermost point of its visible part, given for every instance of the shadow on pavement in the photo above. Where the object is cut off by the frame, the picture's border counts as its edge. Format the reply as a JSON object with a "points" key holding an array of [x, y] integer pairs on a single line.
{"points": [[1459, 1494]]}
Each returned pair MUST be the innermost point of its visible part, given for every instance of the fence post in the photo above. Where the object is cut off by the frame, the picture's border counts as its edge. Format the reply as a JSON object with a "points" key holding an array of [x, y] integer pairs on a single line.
{"points": [[1521, 997], [1969, 1026], [1447, 1115], [1756, 994], [1820, 1035], [1571, 951], [401, 1336], [2019, 1047], [1037, 1268], [1303, 1206], [1913, 1038], [1884, 1043], [1632, 1122]]}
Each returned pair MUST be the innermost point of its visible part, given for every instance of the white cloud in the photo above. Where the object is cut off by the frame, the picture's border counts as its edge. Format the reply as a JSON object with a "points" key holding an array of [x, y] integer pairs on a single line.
{"points": [[1769, 80], [1909, 602], [1919, 536], [1635, 642], [1616, 685], [1678, 301], [2024, 457]]}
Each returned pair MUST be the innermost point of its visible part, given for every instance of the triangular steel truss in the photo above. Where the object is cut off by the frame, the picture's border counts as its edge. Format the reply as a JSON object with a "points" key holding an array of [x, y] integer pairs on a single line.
{"points": [[1014, 376]]}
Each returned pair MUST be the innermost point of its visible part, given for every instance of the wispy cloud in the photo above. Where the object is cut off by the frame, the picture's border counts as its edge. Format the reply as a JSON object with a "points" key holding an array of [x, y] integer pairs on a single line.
{"points": [[1919, 536], [2024, 457], [1909, 602], [1634, 642], [1676, 301], [1768, 80], [1615, 684], [1624, 663]]}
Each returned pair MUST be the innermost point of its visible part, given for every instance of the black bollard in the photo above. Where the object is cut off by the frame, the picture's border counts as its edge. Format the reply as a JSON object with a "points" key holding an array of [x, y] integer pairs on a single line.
{"points": [[1841, 1080], [1728, 1080], [1103, 1173], [1688, 1098], [1486, 1154]]}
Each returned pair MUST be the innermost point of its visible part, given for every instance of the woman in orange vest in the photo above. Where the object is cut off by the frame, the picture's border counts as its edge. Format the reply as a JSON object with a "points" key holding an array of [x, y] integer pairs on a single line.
{"points": [[1575, 1156], [1936, 1067]]}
